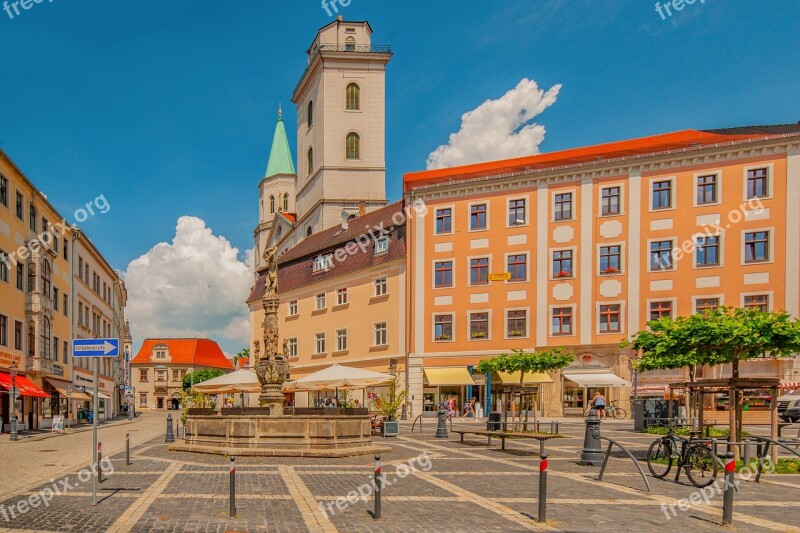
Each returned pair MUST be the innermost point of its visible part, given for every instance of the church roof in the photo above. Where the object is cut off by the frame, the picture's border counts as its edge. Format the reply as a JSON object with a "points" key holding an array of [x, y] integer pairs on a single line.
{"points": [[280, 156]]}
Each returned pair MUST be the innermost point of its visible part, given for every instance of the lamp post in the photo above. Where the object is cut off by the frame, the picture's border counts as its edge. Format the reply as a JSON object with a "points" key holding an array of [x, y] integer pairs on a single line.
{"points": [[634, 357], [69, 399], [14, 435]]}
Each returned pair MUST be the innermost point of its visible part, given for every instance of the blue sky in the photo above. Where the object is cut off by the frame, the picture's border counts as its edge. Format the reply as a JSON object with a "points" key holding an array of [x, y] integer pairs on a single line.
{"points": [[168, 108]]}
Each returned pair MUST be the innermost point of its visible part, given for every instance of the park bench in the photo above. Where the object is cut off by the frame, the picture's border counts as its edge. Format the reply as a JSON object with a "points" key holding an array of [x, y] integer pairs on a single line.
{"points": [[503, 435]]}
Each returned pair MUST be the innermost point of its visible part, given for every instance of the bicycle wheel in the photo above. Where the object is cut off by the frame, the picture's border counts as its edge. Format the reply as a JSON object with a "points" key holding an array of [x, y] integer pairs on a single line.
{"points": [[620, 413], [701, 468], [659, 458]]}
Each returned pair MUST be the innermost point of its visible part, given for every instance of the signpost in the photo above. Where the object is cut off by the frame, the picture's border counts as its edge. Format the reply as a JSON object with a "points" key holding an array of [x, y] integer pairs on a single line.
{"points": [[95, 348]]}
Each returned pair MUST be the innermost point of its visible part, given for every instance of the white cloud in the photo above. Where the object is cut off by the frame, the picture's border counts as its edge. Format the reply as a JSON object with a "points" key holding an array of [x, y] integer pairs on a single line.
{"points": [[498, 129], [194, 287]]}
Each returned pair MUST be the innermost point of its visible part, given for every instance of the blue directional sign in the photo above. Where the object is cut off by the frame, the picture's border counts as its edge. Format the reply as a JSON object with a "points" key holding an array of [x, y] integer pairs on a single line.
{"points": [[95, 347]]}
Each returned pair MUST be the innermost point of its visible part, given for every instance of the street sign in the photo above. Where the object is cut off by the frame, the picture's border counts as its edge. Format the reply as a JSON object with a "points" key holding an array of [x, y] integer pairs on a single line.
{"points": [[82, 388], [95, 347], [121, 386]]}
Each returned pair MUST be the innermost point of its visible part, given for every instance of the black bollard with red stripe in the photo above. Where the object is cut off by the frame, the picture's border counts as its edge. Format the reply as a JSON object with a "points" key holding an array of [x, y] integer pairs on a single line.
{"points": [[727, 498], [233, 486], [378, 485], [542, 489]]}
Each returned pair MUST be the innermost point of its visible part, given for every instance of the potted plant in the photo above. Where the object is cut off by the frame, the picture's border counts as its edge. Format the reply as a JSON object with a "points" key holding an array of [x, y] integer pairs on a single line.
{"points": [[478, 335], [388, 408], [564, 274], [610, 270], [515, 334], [443, 337]]}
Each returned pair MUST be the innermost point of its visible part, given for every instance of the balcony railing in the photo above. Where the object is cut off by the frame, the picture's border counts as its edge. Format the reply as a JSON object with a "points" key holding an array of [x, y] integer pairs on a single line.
{"points": [[356, 48]]}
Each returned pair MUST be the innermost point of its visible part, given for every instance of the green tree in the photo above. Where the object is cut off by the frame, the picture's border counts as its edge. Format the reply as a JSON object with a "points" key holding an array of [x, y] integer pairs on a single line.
{"points": [[243, 354], [389, 406], [544, 360], [722, 336], [200, 376]]}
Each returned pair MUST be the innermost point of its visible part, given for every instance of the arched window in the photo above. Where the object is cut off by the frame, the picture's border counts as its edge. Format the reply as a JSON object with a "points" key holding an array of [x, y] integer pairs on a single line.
{"points": [[350, 44], [286, 202], [32, 338], [310, 160], [353, 97], [353, 146], [45, 348], [46, 277], [271, 204], [310, 113], [309, 231]]}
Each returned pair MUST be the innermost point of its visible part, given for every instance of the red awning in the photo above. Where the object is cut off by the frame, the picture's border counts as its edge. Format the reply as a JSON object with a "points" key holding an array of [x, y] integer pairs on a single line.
{"points": [[790, 385], [24, 385]]}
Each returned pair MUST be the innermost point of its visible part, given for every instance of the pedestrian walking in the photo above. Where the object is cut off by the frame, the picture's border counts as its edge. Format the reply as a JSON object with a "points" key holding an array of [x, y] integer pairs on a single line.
{"points": [[469, 408], [599, 404]]}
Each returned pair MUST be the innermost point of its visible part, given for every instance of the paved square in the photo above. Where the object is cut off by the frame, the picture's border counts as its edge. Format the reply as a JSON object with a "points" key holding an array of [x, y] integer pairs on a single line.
{"points": [[453, 487]]}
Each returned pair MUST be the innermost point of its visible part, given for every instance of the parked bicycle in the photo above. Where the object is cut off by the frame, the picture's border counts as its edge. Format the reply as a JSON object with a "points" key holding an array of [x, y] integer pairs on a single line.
{"points": [[695, 456], [612, 411]]}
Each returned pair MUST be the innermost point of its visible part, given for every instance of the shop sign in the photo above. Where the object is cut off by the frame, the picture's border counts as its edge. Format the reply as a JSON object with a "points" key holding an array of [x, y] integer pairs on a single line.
{"points": [[88, 382], [499, 276], [7, 359]]}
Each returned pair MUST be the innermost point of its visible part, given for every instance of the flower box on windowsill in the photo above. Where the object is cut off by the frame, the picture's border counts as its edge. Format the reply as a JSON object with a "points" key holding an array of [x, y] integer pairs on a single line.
{"points": [[478, 335], [564, 274], [610, 270], [443, 338], [516, 334]]}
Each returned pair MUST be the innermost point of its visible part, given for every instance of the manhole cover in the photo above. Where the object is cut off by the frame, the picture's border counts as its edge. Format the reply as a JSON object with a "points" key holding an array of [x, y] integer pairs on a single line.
{"points": [[44, 451]]}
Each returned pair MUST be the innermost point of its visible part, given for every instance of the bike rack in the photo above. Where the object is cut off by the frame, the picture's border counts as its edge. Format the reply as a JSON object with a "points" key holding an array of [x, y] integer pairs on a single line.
{"points": [[765, 451], [611, 443], [415, 423]]}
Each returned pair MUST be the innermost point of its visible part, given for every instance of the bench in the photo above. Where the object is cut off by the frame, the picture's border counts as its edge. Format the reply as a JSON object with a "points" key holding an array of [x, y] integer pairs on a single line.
{"points": [[503, 435]]}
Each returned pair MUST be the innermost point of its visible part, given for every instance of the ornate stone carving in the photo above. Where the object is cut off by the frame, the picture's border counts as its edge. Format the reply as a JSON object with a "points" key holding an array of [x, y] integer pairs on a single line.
{"points": [[271, 368]]}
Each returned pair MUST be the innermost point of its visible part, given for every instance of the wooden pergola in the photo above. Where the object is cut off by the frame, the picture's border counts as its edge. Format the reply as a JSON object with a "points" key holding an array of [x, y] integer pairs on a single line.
{"points": [[734, 388]]}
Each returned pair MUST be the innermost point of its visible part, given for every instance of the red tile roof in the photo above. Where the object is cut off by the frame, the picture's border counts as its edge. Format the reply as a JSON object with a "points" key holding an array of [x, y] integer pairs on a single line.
{"points": [[679, 140], [291, 217], [199, 352]]}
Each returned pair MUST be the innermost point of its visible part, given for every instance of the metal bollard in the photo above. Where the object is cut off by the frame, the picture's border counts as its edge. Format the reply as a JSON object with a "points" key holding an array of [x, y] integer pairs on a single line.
{"points": [[233, 487], [170, 433], [746, 454], [727, 498], [99, 462], [128, 449], [592, 452], [378, 485], [542, 489], [441, 427]]}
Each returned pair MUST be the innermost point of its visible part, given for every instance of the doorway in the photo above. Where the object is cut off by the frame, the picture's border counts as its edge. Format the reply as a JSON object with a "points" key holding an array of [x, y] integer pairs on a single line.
{"points": [[160, 402]]}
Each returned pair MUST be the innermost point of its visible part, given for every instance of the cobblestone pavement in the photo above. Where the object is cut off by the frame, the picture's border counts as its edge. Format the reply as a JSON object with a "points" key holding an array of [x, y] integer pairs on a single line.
{"points": [[469, 486]]}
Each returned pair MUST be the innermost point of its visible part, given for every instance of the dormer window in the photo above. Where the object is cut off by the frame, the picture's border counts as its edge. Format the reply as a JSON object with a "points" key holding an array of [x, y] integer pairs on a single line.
{"points": [[323, 262], [350, 44], [160, 352]]}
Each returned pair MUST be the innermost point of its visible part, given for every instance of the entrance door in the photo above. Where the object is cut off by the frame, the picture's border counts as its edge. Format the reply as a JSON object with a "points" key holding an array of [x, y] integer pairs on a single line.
{"points": [[160, 402]]}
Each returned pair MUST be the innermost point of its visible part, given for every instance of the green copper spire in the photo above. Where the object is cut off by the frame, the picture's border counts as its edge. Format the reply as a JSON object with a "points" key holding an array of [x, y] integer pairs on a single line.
{"points": [[280, 157]]}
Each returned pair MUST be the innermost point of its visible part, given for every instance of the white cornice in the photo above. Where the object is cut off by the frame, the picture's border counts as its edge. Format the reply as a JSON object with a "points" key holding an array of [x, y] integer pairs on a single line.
{"points": [[620, 167]]}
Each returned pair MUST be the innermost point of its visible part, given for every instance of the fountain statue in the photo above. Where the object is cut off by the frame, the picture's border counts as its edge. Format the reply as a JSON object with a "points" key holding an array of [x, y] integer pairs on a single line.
{"points": [[272, 367]]}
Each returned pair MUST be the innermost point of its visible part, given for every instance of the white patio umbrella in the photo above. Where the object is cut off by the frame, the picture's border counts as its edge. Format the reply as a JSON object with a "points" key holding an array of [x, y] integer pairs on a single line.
{"points": [[339, 377], [244, 380]]}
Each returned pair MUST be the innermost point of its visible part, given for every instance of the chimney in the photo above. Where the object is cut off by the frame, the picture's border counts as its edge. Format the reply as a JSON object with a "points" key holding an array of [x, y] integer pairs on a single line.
{"points": [[339, 18], [362, 209]]}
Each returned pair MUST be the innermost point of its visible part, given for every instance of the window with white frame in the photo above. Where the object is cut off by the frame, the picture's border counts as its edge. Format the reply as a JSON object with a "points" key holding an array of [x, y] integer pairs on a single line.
{"points": [[341, 340], [562, 206], [660, 309], [707, 252], [707, 189], [661, 255], [443, 274], [341, 296], [517, 213], [381, 245], [517, 323], [320, 343], [479, 325], [320, 301], [443, 327], [610, 201], [444, 220], [291, 347], [381, 287], [293, 308], [662, 194], [610, 318], [477, 217], [757, 183], [323, 262], [562, 263], [756, 247], [561, 321], [380, 334], [759, 302]]}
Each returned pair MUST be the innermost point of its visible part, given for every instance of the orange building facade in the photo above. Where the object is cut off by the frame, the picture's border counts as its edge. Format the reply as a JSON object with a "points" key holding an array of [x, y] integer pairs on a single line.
{"points": [[580, 248]]}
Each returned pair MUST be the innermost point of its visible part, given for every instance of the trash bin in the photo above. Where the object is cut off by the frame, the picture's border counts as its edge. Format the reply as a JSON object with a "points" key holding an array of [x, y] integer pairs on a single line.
{"points": [[637, 406], [495, 421]]}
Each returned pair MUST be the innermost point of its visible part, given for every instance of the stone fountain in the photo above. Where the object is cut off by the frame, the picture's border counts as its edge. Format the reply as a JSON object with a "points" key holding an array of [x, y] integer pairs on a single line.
{"points": [[268, 430]]}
